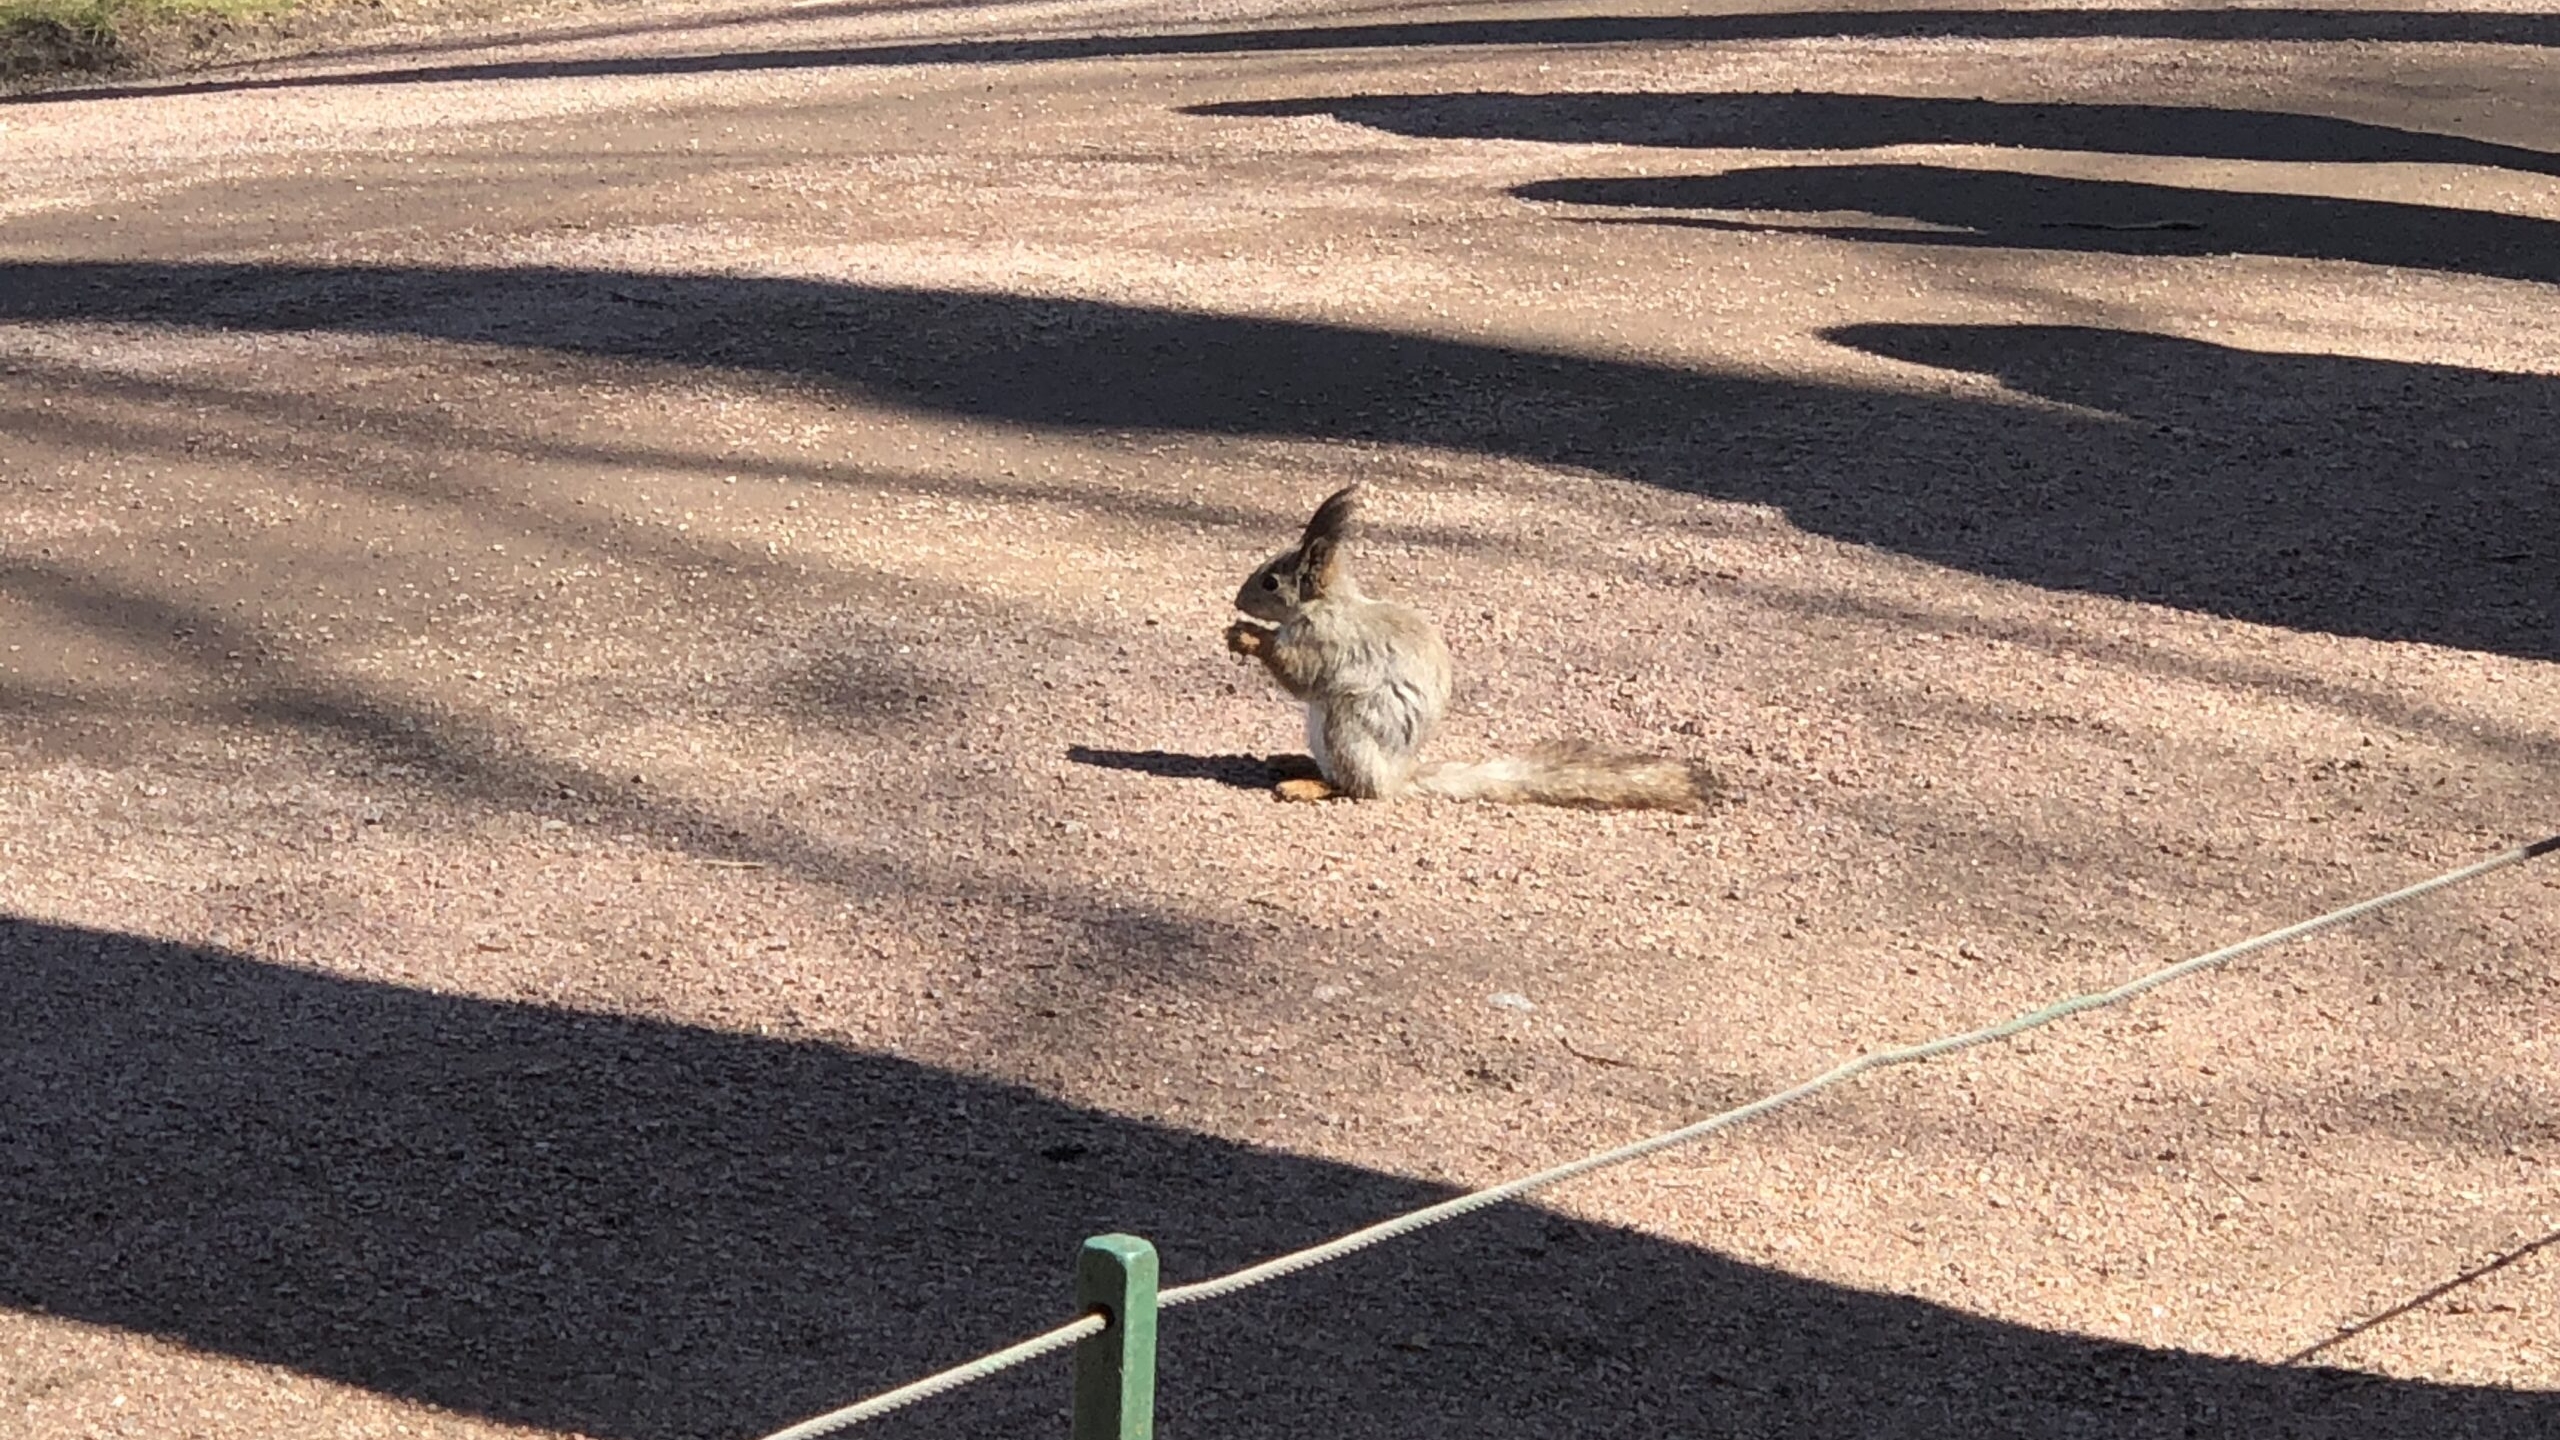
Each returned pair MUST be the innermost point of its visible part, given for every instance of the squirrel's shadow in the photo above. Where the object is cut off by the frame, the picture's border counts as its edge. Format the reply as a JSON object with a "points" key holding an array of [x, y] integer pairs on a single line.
{"points": [[1243, 772]]}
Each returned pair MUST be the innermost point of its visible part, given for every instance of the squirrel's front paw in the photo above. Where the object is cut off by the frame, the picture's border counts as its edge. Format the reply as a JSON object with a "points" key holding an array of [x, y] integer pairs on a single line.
{"points": [[1246, 638]]}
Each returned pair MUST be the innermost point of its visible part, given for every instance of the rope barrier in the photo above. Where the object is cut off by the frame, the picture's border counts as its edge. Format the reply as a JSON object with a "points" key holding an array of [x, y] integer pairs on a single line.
{"points": [[1406, 1224], [951, 1379]]}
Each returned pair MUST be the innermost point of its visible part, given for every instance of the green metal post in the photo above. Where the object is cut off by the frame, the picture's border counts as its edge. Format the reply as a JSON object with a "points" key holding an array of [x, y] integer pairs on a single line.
{"points": [[1116, 1370]]}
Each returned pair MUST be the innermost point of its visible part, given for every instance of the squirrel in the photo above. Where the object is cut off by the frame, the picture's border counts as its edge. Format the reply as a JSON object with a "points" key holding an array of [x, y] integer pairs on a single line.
{"points": [[1375, 678]]}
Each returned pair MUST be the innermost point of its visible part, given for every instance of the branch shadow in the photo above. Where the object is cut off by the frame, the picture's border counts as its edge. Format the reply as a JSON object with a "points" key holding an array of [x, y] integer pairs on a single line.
{"points": [[2512, 1256], [2381, 499], [447, 751], [638, 1230], [333, 431], [2246, 24], [1799, 120], [2008, 210], [1100, 940]]}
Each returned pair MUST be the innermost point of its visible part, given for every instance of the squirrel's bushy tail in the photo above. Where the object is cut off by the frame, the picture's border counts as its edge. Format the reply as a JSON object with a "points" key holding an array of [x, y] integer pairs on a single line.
{"points": [[1574, 773]]}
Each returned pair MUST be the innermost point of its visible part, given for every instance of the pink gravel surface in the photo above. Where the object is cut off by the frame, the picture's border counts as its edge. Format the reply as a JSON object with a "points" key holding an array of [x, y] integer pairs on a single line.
{"points": [[621, 812]]}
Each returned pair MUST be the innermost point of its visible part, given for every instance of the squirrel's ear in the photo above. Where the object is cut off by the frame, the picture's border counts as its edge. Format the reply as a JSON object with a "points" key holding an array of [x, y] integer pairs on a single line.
{"points": [[1332, 520], [1319, 551]]}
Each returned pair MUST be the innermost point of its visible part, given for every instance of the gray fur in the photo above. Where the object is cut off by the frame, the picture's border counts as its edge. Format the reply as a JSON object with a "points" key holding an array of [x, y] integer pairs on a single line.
{"points": [[1376, 678]]}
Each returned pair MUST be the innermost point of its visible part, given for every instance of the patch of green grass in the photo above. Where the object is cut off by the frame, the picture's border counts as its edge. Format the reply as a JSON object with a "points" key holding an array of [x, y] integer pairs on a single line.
{"points": [[39, 37]]}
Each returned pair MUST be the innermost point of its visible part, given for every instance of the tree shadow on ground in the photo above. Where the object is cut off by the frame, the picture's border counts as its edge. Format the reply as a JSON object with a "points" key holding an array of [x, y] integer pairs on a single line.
{"points": [[1102, 940], [2004, 209], [1800, 120], [2250, 24], [2511, 1256], [637, 1229], [2371, 498]]}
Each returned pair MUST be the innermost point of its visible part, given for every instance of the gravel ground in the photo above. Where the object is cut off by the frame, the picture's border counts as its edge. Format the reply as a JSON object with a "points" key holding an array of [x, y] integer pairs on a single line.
{"points": [[621, 812]]}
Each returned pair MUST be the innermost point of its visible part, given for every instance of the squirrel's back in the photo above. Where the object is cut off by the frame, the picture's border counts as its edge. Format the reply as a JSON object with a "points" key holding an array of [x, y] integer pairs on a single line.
{"points": [[1374, 645]]}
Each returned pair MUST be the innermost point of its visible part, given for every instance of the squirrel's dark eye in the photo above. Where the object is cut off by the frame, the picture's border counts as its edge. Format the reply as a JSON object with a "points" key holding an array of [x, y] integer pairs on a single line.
{"points": [[1270, 582]]}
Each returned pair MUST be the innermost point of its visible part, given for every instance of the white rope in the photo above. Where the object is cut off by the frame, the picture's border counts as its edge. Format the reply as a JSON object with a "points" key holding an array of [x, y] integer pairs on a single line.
{"points": [[1297, 1260], [1406, 1224], [935, 1384]]}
